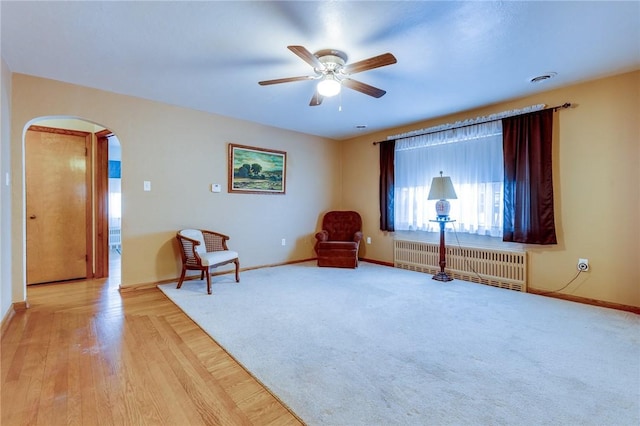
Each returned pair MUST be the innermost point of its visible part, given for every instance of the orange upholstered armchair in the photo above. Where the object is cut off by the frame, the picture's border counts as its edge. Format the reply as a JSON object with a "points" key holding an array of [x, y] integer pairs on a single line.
{"points": [[338, 242]]}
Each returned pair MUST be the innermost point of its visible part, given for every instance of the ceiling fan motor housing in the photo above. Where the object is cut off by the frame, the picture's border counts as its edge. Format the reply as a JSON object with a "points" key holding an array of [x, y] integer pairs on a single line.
{"points": [[332, 59]]}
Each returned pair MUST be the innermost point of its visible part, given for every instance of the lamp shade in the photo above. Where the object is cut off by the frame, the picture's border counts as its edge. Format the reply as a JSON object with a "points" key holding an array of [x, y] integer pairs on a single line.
{"points": [[442, 189]]}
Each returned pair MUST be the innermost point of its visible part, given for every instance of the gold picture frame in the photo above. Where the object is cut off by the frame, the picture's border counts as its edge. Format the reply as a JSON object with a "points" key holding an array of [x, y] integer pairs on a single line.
{"points": [[256, 170]]}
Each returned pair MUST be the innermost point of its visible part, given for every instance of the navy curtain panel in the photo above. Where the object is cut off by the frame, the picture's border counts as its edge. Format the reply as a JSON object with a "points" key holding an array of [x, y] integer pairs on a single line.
{"points": [[387, 184], [528, 182]]}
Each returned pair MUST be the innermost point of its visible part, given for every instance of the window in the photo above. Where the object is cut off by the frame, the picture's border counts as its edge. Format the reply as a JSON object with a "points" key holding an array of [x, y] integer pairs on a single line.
{"points": [[472, 156]]}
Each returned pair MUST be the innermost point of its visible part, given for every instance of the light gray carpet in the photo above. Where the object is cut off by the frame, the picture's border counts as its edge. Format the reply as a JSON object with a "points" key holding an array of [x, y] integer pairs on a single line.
{"points": [[384, 346]]}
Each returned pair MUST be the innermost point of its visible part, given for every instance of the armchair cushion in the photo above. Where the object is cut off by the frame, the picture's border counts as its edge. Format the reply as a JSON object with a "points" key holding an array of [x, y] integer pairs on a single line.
{"points": [[338, 245], [217, 257], [342, 225]]}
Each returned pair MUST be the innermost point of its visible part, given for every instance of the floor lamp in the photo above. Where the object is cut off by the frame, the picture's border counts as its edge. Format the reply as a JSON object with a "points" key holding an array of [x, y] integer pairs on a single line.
{"points": [[442, 190]]}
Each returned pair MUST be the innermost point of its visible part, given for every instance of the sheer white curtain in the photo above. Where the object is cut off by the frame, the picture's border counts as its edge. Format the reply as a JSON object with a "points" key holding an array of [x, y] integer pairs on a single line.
{"points": [[472, 157]]}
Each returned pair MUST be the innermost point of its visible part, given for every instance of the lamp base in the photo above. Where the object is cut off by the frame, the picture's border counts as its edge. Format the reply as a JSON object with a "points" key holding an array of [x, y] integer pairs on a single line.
{"points": [[442, 276], [442, 208]]}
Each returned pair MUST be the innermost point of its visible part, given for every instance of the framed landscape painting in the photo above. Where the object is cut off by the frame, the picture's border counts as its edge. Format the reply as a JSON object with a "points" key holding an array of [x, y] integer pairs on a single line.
{"points": [[256, 170]]}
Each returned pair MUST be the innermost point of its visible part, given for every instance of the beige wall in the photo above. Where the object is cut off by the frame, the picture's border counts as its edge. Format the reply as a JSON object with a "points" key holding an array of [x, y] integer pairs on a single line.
{"points": [[596, 165], [182, 152], [596, 188]]}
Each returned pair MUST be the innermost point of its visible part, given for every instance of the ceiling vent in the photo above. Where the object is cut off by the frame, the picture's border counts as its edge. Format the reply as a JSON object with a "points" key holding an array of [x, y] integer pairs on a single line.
{"points": [[543, 77]]}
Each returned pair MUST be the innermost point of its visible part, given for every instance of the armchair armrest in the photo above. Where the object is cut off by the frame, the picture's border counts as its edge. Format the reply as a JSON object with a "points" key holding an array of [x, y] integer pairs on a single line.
{"points": [[189, 253], [357, 236], [322, 235]]}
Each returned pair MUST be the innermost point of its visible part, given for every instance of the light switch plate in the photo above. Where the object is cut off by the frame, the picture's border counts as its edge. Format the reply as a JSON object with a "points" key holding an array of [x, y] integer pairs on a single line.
{"points": [[147, 185], [215, 187]]}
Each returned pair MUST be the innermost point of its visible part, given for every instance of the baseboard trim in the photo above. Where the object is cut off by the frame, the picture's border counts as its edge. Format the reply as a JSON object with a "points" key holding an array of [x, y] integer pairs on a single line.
{"points": [[146, 286], [586, 301], [271, 265], [11, 313], [21, 306], [6, 320], [141, 286], [377, 262]]}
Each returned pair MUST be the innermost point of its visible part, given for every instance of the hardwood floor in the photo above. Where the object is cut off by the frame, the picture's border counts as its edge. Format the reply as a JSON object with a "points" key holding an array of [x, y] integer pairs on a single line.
{"points": [[84, 353]]}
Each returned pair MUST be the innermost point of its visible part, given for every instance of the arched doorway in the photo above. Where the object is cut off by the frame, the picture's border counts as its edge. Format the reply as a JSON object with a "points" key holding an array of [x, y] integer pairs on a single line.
{"points": [[102, 162]]}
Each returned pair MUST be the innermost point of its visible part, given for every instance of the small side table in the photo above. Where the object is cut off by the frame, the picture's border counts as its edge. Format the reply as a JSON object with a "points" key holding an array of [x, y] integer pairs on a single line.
{"points": [[442, 275]]}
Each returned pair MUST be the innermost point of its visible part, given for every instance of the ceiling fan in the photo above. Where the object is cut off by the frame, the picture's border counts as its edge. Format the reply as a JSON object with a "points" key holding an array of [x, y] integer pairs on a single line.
{"points": [[331, 69]]}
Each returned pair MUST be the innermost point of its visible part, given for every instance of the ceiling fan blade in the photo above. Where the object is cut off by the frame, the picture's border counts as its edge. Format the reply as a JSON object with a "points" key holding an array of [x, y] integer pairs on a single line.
{"points": [[371, 63], [285, 80], [364, 88], [307, 56], [316, 99]]}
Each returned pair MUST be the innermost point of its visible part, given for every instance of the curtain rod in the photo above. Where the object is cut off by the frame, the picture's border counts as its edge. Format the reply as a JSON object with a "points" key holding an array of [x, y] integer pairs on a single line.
{"points": [[460, 126]]}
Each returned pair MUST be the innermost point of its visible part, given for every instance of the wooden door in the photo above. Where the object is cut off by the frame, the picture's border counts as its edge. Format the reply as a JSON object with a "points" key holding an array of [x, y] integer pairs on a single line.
{"points": [[58, 191]]}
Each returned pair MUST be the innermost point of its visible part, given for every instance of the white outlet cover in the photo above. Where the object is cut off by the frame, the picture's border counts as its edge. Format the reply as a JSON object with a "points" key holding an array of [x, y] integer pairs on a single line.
{"points": [[583, 264]]}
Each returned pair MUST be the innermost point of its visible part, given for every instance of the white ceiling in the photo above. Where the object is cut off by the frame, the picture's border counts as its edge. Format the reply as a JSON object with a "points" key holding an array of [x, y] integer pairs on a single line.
{"points": [[209, 56]]}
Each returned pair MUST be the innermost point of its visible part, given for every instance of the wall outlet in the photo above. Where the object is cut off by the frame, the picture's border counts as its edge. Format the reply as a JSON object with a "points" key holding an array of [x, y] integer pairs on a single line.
{"points": [[368, 240], [583, 265], [284, 242]]}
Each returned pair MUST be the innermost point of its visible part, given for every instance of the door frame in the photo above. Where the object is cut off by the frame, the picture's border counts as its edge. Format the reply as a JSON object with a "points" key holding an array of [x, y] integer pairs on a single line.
{"points": [[102, 203]]}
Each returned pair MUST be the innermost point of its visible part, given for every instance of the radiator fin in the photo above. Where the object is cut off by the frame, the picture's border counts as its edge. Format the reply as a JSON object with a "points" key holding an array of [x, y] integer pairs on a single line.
{"points": [[115, 238], [497, 268]]}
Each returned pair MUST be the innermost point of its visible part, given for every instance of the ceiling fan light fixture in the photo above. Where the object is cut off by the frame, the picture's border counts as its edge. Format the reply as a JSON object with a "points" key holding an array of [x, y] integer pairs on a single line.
{"points": [[329, 86]]}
